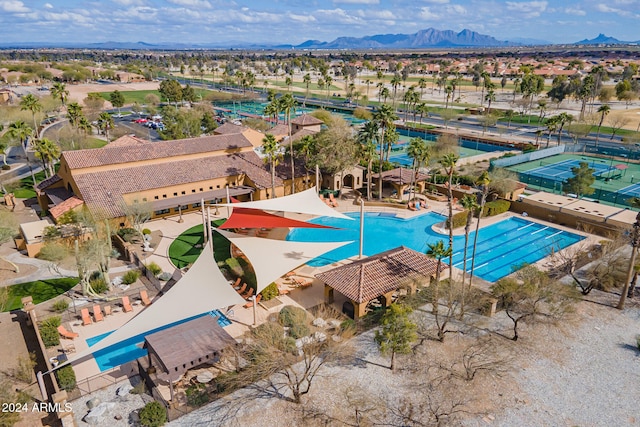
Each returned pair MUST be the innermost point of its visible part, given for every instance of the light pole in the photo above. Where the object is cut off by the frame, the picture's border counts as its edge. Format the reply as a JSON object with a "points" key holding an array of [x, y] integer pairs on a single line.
{"points": [[635, 243]]}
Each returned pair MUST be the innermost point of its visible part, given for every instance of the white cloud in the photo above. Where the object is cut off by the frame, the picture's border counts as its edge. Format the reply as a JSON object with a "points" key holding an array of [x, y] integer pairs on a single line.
{"points": [[436, 1], [13, 6], [336, 16], [48, 6], [357, 1], [301, 18], [376, 14], [529, 9], [191, 3], [129, 2], [575, 11], [427, 14], [601, 7]]}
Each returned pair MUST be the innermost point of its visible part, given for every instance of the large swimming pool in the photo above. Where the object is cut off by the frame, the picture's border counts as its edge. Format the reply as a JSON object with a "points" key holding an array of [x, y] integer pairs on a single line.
{"points": [[131, 349], [501, 246]]}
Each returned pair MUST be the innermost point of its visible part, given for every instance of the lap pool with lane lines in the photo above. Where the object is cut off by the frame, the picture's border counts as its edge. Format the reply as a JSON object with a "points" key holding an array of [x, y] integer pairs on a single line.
{"points": [[501, 246]]}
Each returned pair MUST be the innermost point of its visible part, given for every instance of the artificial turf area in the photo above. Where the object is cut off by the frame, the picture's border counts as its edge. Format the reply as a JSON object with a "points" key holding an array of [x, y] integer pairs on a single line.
{"points": [[186, 248], [40, 290]]}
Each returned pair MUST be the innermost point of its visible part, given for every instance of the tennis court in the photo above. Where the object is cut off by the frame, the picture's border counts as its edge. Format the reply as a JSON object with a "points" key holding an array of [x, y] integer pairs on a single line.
{"points": [[617, 180]]}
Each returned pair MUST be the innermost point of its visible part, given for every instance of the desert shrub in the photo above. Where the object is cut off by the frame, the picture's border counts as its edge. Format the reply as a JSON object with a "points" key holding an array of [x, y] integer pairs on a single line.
{"points": [[270, 292], [128, 234], [7, 395], [66, 378], [270, 332], [291, 315], [465, 180], [139, 388], [348, 325], [49, 331], [154, 268], [299, 331], [24, 371], [146, 231], [99, 285], [153, 414], [53, 252], [459, 219], [496, 207], [60, 306], [528, 148], [197, 395], [362, 113], [6, 167], [130, 277]]}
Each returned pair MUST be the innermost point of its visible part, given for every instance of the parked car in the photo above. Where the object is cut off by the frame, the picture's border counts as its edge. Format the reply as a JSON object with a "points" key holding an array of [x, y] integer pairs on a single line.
{"points": [[48, 121], [140, 120]]}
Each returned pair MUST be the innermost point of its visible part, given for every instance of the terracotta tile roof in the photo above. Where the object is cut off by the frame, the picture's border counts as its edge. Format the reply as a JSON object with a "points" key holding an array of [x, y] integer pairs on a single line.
{"points": [[103, 190], [400, 175], [128, 140], [283, 170], [367, 279], [302, 133], [306, 120], [66, 206], [229, 129], [117, 155], [47, 182], [279, 130]]}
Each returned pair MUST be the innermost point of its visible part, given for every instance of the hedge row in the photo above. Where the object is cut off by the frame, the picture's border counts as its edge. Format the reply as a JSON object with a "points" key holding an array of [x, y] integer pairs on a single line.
{"points": [[496, 207], [459, 219]]}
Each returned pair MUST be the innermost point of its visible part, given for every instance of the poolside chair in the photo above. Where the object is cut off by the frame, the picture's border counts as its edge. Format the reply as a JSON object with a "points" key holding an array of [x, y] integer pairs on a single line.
{"points": [[333, 201], [107, 310], [67, 334], [97, 313], [86, 318], [327, 202], [250, 303], [144, 297], [236, 285], [242, 289], [126, 305], [248, 294]]}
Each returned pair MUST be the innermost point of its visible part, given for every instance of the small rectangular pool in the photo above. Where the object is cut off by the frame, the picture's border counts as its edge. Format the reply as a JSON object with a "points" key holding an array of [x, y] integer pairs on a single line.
{"points": [[131, 349]]}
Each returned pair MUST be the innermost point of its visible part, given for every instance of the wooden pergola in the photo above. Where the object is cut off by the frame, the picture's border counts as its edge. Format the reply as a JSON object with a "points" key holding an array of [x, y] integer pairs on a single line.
{"points": [[378, 276]]}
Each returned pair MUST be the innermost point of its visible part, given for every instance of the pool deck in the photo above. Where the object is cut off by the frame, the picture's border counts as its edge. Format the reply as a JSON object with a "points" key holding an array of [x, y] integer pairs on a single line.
{"points": [[243, 318]]}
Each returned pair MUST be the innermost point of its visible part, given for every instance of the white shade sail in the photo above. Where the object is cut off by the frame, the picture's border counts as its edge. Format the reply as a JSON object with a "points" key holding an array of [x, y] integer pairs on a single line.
{"points": [[272, 259], [203, 288], [305, 202]]}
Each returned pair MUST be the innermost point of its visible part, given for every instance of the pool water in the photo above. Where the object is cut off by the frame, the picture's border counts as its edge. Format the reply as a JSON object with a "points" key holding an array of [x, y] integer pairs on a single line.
{"points": [[131, 349], [501, 246]]}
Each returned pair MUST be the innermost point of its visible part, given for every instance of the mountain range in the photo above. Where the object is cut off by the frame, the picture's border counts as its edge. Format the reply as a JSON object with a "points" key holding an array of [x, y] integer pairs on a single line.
{"points": [[428, 38]]}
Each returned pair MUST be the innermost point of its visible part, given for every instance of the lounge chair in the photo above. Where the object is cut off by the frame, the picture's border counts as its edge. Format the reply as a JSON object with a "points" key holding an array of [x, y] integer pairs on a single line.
{"points": [[250, 303], [67, 334], [327, 202], [236, 285], [126, 305], [411, 206], [86, 318], [333, 201], [144, 297], [97, 313], [248, 294], [242, 289], [107, 310]]}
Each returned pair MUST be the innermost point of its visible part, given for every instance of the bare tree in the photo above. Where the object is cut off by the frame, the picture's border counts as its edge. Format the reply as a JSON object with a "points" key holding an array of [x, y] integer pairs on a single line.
{"points": [[138, 212], [616, 123], [483, 356]]}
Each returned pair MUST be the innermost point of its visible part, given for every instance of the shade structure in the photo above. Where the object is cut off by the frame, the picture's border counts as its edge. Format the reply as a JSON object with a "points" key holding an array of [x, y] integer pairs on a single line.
{"points": [[620, 166], [272, 259], [203, 288], [256, 218], [305, 202]]}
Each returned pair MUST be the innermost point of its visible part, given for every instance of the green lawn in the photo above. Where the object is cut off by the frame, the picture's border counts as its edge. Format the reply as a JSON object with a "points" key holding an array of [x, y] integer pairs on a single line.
{"points": [[183, 250], [139, 95], [40, 290]]}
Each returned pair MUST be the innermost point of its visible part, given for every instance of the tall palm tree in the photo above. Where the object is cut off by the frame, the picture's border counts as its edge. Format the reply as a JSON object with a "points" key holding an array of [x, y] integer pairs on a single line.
{"points": [[49, 152], [438, 251], [604, 111], [563, 119], [448, 90], [328, 80], [448, 162], [287, 104], [105, 123], [306, 79], [368, 83], [384, 117], [418, 151], [483, 181], [22, 132], [84, 125], [490, 97], [31, 103], [60, 91], [74, 112], [306, 148], [470, 203], [423, 110], [271, 150], [396, 80], [271, 110], [367, 137]]}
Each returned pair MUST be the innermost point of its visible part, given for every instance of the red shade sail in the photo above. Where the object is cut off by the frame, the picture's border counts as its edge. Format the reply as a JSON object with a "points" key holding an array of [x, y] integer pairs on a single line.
{"points": [[256, 218]]}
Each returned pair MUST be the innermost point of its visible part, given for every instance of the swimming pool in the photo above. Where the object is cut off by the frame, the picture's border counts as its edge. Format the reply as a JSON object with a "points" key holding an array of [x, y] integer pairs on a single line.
{"points": [[131, 349], [501, 246]]}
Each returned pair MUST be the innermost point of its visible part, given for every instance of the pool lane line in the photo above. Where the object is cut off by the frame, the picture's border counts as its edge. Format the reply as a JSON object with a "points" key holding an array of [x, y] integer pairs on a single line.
{"points": [[542, 229], [526, 226], [553, 235]]}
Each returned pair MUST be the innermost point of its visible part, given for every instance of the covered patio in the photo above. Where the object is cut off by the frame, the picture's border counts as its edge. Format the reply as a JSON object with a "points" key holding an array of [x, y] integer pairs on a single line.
{"points": [[400, 180], [380, 277]]}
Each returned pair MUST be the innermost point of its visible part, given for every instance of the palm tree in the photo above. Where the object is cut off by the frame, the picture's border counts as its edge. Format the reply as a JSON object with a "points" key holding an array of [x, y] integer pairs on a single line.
{"points": [[438, 251], [84, 125], [448, 90], [563, 119], [105, 123], [328, 80], [49, 152], [271, 110], [423, 110], [418, 151], [470, 203], [490, 97], [395, 82], [483, 181], [59, 91], [368, 83], [22, 132], [74, 112], [31, 103], [306, 79], [449, 161], [384, 117], [271, 150], [604, 111], [422, 84], [288, 103], [306, 148], [367, 137], [3, 151]]}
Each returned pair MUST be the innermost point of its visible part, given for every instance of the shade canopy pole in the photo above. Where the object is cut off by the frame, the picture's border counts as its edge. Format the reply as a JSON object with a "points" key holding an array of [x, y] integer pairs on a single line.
{"points": [[204, 223], [361, 228]]}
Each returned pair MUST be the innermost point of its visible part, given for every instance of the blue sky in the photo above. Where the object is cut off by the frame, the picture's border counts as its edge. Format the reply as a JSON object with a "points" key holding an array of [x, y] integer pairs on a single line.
{"points": [[294, 21]]}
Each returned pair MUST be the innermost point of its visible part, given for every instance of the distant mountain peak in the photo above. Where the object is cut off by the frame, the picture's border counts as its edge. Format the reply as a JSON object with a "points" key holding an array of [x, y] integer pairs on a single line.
{"points": [[601, 39]]}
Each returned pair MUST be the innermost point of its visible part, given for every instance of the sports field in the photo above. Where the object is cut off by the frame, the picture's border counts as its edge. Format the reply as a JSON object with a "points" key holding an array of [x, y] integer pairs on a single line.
{"points": [[616, 180]]}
